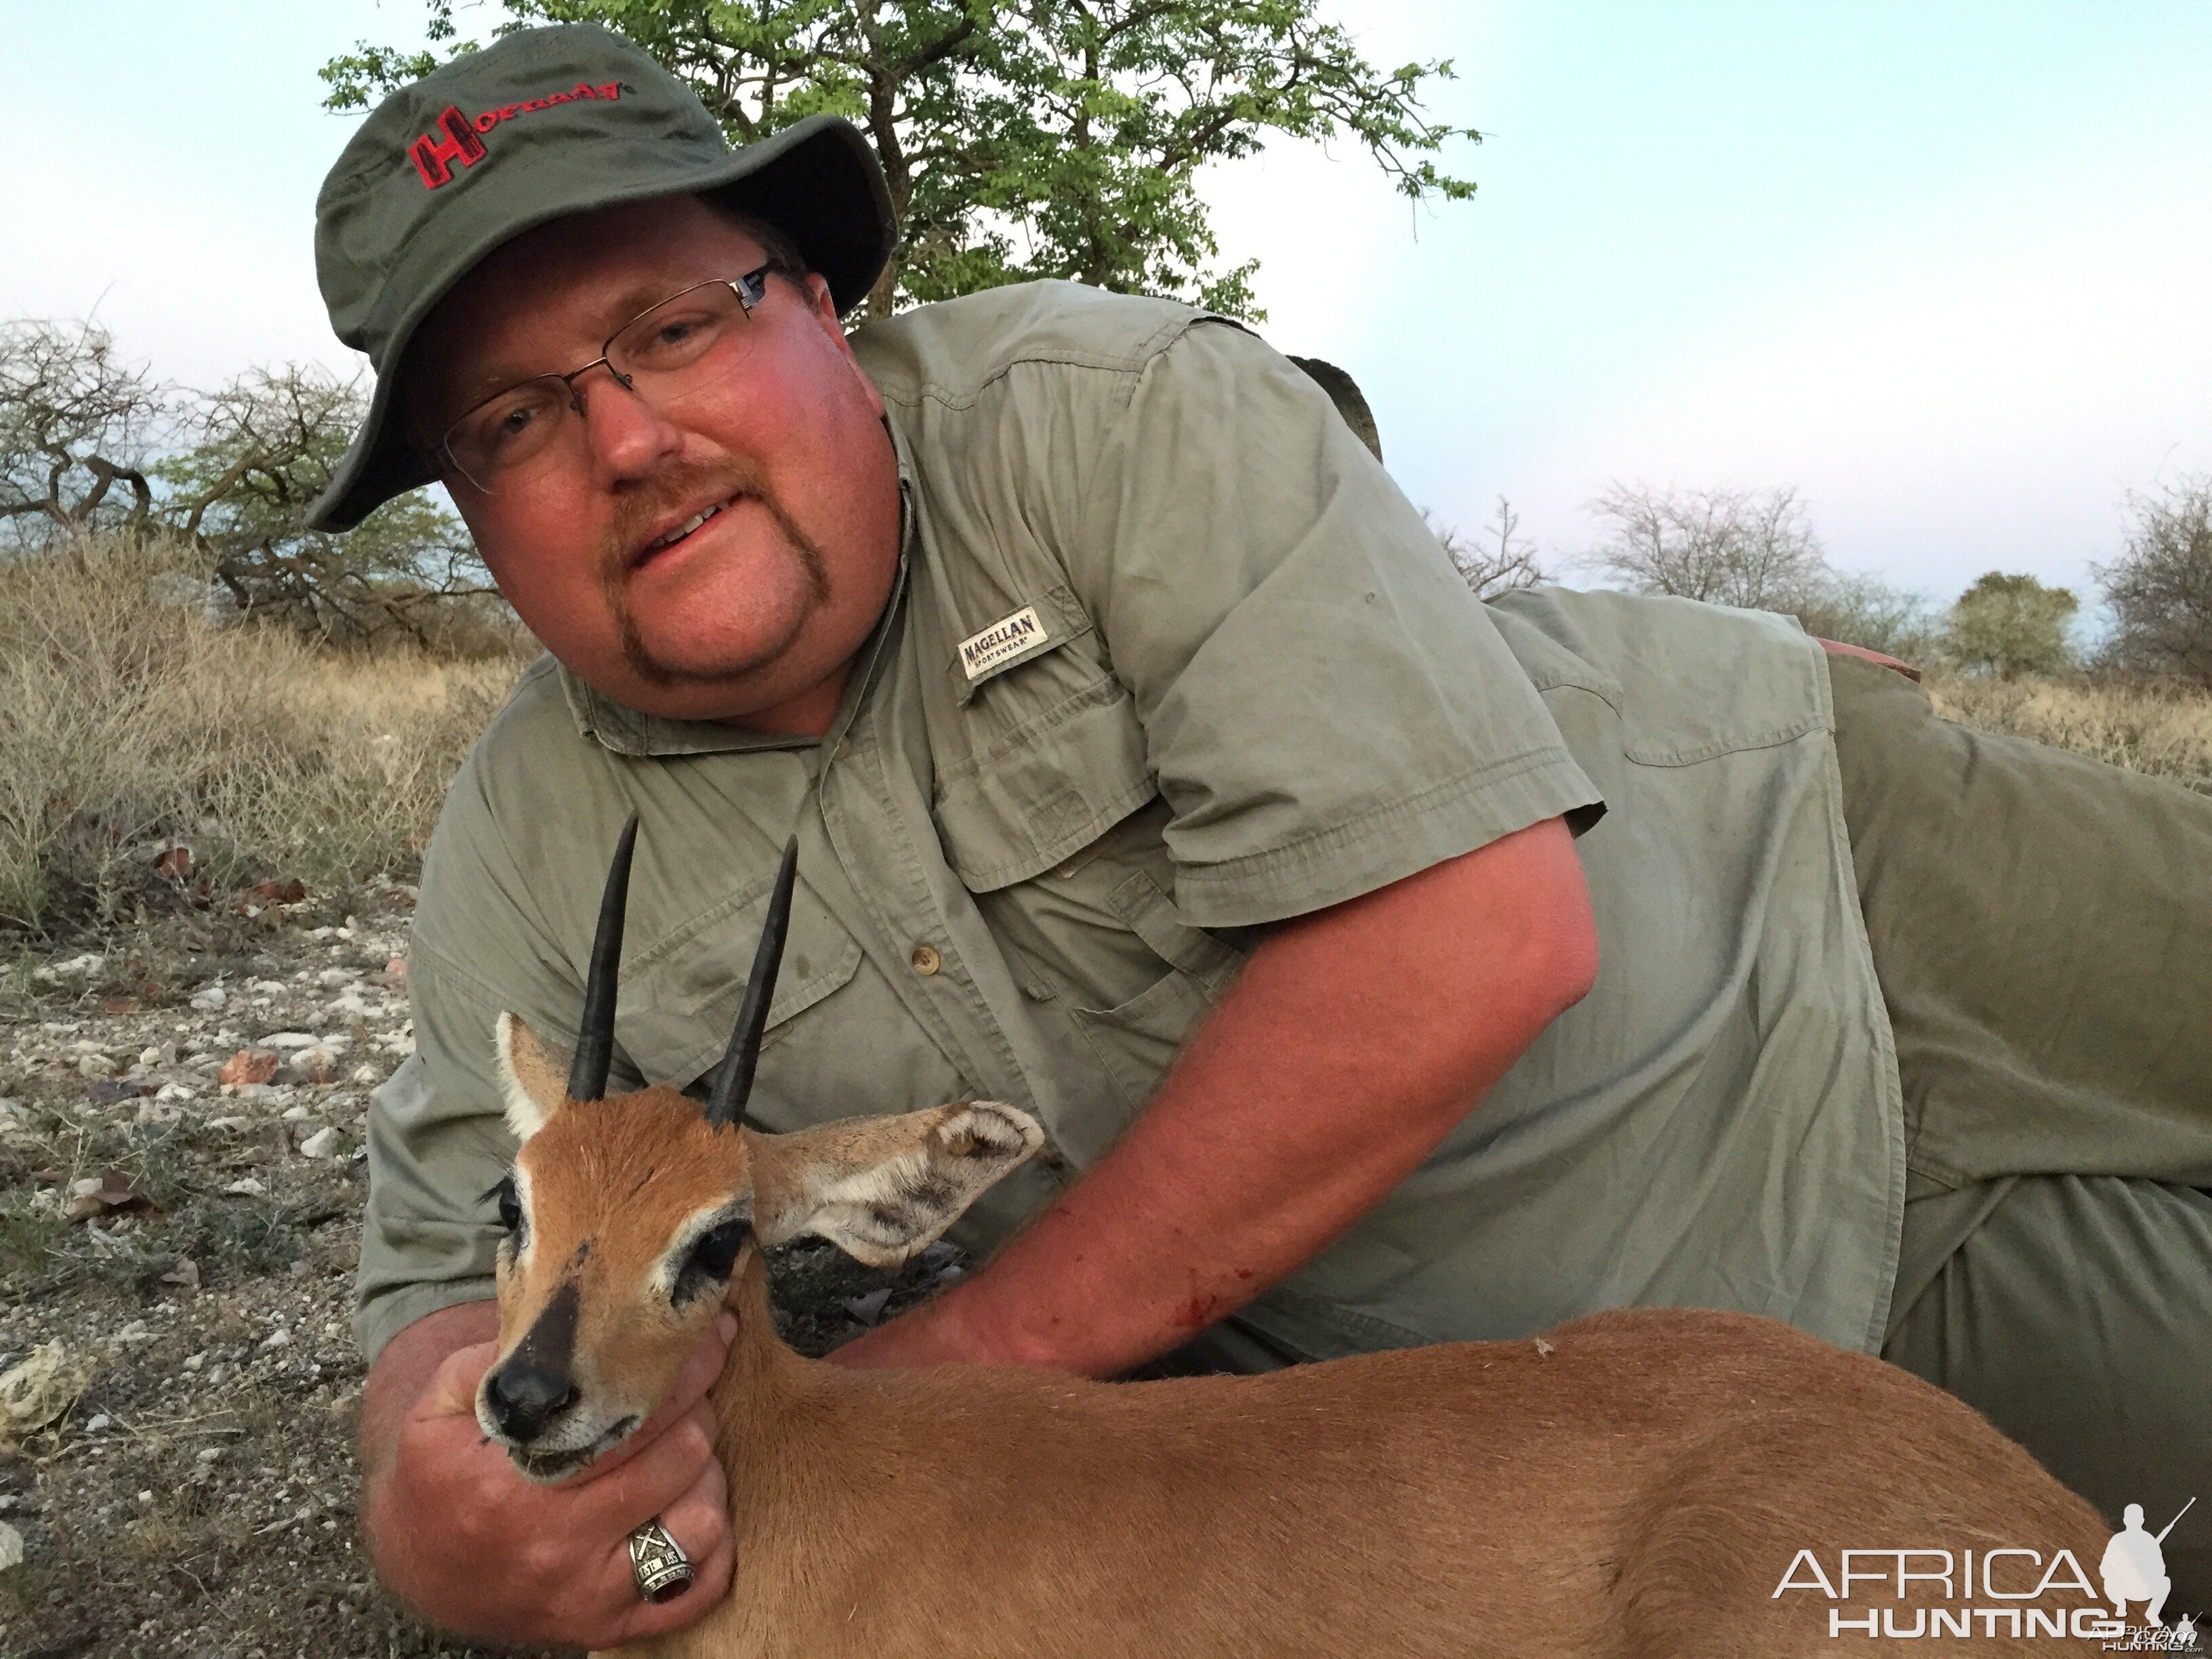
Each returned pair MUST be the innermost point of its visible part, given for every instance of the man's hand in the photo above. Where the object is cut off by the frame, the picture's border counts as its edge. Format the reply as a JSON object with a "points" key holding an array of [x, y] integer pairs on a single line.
{"points": [[472, 1547]]}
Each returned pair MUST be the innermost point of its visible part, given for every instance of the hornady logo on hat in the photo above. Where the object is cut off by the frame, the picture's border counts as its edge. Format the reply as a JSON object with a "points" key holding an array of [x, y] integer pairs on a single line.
{"points": [[454, 140]]}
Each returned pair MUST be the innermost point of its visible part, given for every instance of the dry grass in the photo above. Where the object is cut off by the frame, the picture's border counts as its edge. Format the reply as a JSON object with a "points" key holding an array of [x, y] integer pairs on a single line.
{"points": [[2146, 725], [130, 725]]}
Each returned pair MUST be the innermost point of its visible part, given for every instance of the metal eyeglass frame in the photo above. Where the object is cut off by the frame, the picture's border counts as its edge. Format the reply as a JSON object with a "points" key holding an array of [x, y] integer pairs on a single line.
{"points": [[750, 289]]}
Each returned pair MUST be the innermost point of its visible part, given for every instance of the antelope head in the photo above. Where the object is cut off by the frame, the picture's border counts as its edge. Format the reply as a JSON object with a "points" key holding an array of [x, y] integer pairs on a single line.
{"points": [[627, 1216]]}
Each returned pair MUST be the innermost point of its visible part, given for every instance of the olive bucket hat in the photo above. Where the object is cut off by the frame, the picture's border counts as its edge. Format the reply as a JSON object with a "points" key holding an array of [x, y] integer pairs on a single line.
{"points": [[546, 122]]}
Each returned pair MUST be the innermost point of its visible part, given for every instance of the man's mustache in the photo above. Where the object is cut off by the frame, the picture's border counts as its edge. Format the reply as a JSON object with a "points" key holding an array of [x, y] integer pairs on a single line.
{"points": [[638, 515]]}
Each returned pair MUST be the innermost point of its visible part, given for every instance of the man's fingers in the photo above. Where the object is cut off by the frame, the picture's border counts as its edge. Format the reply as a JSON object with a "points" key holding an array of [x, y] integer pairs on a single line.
{"points": [[653, 1479], [704, 1366], [452, 1390], [712, 1565]]}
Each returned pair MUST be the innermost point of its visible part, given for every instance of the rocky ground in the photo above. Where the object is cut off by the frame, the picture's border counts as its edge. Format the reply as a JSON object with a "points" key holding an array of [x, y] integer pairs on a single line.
{"points": [[181, 1114]]}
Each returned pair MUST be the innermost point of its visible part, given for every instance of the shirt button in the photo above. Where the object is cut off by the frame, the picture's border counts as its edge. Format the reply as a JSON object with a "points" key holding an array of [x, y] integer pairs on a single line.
{"points": [[925, 960]]}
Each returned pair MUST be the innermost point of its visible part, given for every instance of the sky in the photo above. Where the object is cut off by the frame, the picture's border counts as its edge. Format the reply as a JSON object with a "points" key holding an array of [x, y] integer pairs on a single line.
{"points": [[1941, 265]]}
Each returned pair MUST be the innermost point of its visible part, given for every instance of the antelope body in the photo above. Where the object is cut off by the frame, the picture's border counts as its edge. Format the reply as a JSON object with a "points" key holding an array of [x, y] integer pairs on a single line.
{"points": [[1636, 1483]]}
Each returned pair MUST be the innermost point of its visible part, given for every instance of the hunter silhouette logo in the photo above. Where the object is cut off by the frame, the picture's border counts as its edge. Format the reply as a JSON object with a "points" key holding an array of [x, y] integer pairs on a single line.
{"points": [[455, 140], [2134, 1568]]}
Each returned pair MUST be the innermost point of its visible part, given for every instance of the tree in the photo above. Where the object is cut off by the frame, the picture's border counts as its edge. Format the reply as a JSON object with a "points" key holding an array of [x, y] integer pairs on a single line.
{"points": [[231, 472], [75, 420], [2161, 588], [1750, 548], [2011, 625], [1498, 559], [1020, 138], [266, 446]]}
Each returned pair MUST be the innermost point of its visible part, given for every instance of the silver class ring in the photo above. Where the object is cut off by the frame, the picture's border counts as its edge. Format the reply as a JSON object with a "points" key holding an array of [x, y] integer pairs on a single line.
{"points": [[657, 1561]]}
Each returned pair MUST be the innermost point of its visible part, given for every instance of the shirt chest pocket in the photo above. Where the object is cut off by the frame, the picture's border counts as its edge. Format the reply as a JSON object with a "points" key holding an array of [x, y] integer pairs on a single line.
{"points": [[1034, 758], [1048, 812], [680, 997]]}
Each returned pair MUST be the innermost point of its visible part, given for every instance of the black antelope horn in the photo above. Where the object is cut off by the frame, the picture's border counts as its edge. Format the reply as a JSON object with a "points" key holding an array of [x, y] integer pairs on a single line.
{"points": [[595, 1042], [733, 1078]]}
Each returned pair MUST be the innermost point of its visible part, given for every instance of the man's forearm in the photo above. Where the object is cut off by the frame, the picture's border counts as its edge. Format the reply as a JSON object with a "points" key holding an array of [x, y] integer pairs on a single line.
{"points": [[1353, 1043]]}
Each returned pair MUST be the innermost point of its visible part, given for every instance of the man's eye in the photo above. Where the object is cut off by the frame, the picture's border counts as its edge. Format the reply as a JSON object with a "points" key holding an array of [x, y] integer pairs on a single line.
{"points": [[672, 342]]}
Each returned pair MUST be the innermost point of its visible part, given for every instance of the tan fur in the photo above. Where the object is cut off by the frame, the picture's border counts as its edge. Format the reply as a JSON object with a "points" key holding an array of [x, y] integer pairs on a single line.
{"points": [[1635, 1484]]}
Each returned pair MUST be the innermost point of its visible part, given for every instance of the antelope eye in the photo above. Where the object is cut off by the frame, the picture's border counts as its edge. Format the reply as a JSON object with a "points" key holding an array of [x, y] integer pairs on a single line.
{"points": [[717, 1253], [510, 1207]]}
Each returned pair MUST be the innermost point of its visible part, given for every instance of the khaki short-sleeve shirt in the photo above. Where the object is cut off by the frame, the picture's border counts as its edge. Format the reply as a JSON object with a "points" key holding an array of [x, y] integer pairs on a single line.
{"points": [[1171, 659]]}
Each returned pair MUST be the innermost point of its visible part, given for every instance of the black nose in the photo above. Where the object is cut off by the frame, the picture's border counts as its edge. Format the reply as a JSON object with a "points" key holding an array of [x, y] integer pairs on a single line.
{"points": [[524, 1397]]}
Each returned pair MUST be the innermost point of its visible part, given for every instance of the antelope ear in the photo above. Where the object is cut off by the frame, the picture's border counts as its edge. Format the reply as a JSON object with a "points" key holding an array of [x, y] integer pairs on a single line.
{"points": [[881, 1188], [532, 1078]]}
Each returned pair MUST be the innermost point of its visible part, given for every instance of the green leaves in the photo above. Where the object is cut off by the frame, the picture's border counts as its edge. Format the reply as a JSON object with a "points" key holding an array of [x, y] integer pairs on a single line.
{"points": [[1026, 139]]}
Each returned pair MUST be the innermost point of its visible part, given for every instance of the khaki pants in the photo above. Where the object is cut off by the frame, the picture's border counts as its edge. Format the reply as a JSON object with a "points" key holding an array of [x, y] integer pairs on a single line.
{"points": [[2042, 928]]}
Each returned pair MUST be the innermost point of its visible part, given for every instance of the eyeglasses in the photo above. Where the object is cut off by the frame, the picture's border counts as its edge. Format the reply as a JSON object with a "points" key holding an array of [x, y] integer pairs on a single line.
{"points": [[664, 355]]}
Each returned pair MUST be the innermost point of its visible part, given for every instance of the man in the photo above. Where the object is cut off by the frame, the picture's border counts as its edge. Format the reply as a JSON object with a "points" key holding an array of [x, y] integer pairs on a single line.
{"points": [[1151, 769]]}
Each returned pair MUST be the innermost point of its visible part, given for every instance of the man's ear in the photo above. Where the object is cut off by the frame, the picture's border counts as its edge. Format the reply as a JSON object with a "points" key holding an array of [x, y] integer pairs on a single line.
{"points": [[534, 1080], [881, 1188]]}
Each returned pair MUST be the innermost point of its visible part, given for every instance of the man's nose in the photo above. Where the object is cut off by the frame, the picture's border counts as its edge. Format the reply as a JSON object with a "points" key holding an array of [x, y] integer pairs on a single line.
{"points": [[627, 435], [524, 1398]]}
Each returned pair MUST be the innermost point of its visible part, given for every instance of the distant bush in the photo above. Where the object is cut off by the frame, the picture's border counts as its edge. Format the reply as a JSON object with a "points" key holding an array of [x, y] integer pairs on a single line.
{"points": [[2010, 626], [2161, 588], [131, 724]]}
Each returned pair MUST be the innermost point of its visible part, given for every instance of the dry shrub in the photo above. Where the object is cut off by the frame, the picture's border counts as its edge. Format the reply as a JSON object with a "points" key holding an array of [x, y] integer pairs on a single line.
{"points": [[2147, 725], [129, 724]]}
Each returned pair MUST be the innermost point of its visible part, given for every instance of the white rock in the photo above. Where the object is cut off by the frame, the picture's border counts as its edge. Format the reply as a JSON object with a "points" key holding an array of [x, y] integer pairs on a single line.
{"points": [[95, 1065], [279, 1338], [149, 1056], [295, 1114], [84, 967], [321, 1144], [334, 977], [193, 1362], [290, 1040], [209, 998], [169, 1093], [247, 1187], [367, 1076], [208, 1455], [11, 1547], [99, 1421]]}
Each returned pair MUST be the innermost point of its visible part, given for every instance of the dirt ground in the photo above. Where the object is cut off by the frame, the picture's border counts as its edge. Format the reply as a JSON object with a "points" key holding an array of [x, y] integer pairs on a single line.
{"points": [[197, 1496]]}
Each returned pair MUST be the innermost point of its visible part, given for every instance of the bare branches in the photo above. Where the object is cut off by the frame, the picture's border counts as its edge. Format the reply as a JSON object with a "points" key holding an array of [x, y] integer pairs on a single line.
{"points": [[1756, 548], [74, 420], [1751, 548], [1497, 558]]}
